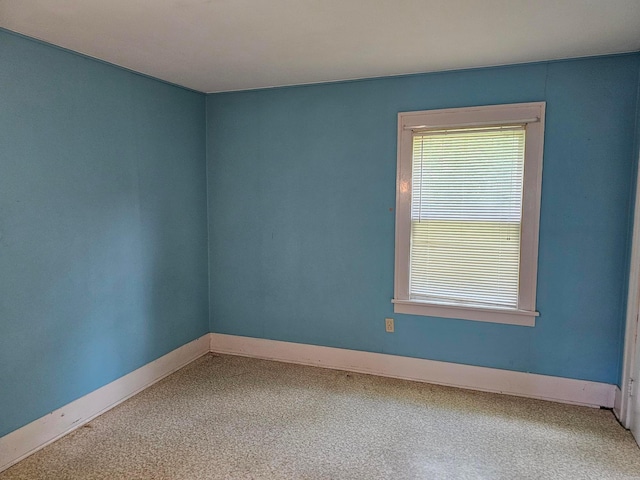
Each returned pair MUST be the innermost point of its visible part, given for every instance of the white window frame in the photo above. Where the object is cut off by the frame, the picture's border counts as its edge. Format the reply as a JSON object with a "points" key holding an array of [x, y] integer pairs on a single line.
{"points": [[530, 114]]}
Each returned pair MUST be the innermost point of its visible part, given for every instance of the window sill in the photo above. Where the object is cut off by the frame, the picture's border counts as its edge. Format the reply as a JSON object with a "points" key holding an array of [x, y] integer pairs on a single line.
{"points": [[480, 314]]}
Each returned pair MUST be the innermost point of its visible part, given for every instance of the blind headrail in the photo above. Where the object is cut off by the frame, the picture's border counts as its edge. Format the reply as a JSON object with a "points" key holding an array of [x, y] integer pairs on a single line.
{"points": [[472, 124]]}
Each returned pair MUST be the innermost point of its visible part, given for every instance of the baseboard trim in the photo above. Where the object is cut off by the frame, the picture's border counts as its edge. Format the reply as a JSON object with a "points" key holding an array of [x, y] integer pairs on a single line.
{"points": [[557, 389], [21, 443], [41, 432], [617, 404]]}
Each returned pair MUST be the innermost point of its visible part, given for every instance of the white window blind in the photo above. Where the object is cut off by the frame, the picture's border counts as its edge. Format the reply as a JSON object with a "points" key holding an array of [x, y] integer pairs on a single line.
{"points": [[466, 215]]}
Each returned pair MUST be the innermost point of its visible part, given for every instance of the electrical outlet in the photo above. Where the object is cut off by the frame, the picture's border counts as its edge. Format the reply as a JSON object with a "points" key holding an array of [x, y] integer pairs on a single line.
{"points": [[388, 325]]}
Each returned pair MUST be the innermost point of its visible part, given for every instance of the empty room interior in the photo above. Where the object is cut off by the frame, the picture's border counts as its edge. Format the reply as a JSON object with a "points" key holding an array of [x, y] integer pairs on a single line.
{"points": [[319, 239]]}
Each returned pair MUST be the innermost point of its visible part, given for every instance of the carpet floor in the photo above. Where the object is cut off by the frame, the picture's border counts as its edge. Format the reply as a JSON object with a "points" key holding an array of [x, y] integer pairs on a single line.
{"points": [[225, 417]]}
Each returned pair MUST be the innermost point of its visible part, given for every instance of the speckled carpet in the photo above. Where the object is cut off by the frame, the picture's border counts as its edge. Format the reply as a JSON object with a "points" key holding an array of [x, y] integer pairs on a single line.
{"points": [[225, 417]]}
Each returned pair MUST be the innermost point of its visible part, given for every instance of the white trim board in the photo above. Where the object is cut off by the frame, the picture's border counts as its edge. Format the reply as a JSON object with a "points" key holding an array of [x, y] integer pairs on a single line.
{"points": [[617, 402], [630, 362], [21, 443], [41, 432], [557, 389]]}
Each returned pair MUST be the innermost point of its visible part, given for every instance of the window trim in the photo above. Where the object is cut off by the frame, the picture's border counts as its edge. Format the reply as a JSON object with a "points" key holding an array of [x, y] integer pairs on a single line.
{"points": [[533, 114]]}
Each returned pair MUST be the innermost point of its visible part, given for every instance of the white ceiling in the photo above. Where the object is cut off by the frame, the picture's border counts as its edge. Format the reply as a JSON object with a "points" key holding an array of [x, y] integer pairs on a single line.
{"points": [[220, 45]]}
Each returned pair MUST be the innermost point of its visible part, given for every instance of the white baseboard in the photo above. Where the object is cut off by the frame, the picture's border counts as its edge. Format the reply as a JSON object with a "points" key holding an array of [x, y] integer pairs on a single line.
{"points": [[617, 404], [557, 389], [32, 437]]}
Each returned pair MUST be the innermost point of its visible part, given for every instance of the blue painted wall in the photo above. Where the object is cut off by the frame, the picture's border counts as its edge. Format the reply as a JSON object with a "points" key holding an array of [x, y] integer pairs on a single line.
{"points": [[103, 219], [103, 240], [301, 228]]}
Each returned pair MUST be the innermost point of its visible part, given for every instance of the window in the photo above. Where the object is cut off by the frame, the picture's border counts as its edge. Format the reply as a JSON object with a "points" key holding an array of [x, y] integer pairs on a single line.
{"points": [[468, 210]]}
